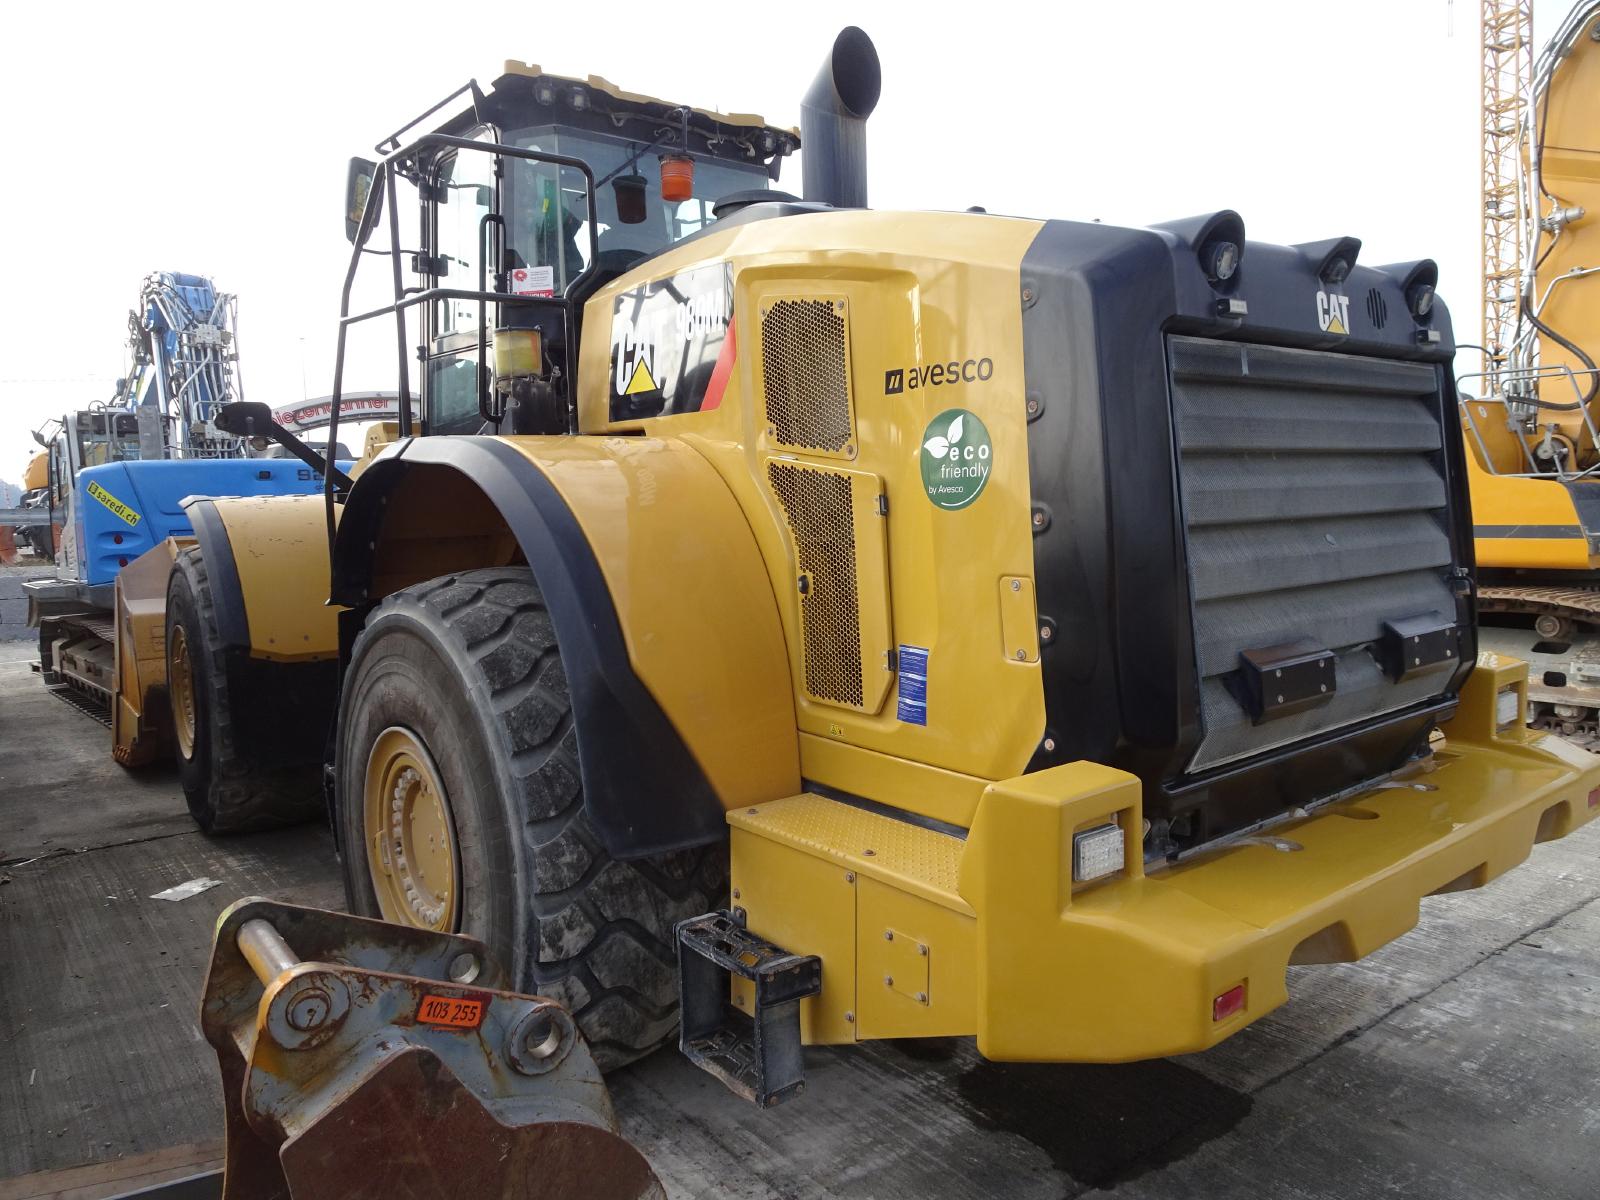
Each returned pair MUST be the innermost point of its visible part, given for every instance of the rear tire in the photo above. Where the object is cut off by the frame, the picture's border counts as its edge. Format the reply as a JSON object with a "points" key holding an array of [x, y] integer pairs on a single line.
{"points": [[468, 666], [229, 789]]}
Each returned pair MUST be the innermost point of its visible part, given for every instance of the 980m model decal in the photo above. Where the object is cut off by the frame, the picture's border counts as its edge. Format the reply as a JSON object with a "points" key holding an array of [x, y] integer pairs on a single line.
{"points": [[666, 338]]}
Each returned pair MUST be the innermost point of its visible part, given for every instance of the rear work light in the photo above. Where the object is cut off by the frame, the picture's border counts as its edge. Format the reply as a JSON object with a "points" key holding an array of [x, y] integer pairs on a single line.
{"points": [[1229, 1004], [1505, 707], [1096, 853]]}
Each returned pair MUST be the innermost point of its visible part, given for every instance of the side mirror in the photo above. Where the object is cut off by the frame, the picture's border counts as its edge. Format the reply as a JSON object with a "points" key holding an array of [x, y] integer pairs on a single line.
{"points": [[244, 418], [357, 191], [40, 438], [253, 419]]}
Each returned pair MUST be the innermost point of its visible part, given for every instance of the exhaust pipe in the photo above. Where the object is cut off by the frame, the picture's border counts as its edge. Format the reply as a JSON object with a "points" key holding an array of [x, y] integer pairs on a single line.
{"points": [[833, 122]]}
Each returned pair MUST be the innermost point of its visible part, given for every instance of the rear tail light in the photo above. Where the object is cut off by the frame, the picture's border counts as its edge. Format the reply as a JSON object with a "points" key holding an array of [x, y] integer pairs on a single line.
{"points": [[1594, 798], [1506, 704], [1096, 853], [1229, 1004]]}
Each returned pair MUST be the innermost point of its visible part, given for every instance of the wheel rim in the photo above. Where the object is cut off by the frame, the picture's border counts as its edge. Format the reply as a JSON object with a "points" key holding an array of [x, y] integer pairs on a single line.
{"points": [[180, 682], [410, 834]]}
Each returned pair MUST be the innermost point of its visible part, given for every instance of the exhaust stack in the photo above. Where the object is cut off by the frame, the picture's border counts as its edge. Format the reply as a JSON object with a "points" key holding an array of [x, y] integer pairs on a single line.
{"points": [[833, 122]]}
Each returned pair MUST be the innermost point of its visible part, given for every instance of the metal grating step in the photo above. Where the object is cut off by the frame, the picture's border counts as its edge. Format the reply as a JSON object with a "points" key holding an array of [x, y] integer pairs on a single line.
{"points": [[89, 706]]}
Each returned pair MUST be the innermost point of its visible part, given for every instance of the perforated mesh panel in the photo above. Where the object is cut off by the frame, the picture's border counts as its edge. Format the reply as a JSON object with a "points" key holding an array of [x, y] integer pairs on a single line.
{"points": [[818, 506], [805, 373]]}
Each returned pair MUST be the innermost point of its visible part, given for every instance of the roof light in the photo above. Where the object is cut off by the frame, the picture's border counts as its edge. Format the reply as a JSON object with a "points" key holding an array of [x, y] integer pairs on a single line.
{"points": [[629, 191], [1594, 798], [1096, 853], [1229, 1004], [677, 177], [1219, 260], [1419, 282], [1420, 300], [545, 94], [578, 98], [1336, 272]]}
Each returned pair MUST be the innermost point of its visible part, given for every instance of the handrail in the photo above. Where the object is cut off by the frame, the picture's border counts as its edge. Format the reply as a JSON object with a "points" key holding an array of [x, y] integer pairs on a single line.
{"points": [[1506, 381], [405, 298]]}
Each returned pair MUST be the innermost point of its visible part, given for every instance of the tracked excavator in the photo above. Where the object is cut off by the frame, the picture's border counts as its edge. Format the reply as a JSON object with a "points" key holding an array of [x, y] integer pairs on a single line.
{"points": [[116, 473], [828, 624], [1531, 417]]}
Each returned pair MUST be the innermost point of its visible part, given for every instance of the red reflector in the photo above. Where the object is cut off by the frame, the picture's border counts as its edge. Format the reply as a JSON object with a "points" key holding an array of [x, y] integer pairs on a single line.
{"points": [[1229, 1003], [1594, 798]]}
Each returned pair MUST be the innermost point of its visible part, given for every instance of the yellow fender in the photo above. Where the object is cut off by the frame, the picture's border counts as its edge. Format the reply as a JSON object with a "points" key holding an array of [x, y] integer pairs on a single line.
{"points": [[667, 621]]}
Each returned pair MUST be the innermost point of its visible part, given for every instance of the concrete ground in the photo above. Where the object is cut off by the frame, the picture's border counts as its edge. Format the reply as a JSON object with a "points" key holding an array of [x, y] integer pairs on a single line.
{"points": [[1461, 1061]]}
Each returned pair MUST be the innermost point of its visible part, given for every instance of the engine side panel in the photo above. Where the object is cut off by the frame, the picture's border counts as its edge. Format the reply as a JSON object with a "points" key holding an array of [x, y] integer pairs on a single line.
{"points": [[856, 380]]}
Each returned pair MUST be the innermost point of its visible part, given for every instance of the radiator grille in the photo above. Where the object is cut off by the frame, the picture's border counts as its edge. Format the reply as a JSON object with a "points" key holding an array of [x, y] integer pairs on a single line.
{"points": [[819, 507], [806, 374], [1314, 510]]}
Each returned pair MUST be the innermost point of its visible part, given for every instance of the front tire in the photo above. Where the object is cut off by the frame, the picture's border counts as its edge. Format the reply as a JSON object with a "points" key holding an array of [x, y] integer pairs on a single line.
{"points": [[455, 718], [229, 788]]}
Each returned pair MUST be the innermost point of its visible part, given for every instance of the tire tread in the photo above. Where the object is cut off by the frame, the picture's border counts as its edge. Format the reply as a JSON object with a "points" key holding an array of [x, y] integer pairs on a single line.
{"points": [[578, 892], [240, 795]]}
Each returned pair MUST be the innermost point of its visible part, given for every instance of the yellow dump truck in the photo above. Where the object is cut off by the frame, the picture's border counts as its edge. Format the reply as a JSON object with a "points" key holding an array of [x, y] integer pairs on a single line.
{"points": [[848, 624]]}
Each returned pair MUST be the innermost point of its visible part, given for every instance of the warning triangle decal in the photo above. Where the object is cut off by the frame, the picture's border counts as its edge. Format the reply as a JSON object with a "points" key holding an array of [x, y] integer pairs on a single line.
{"points": [[1334, 326], [641, 381]]}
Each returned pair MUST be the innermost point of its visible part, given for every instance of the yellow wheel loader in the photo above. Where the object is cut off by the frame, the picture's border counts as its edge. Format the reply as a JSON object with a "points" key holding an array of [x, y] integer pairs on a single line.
{"points": [[1531, 417], [838, 624]]}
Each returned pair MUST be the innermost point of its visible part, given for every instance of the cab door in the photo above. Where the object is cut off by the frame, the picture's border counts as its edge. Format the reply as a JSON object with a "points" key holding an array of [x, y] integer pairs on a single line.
{"points": [[463, 190]]}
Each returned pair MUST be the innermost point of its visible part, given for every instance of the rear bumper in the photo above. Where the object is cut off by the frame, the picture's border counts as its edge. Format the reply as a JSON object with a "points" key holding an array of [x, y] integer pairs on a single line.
{"points": [[1132, 968], [922, 933]]}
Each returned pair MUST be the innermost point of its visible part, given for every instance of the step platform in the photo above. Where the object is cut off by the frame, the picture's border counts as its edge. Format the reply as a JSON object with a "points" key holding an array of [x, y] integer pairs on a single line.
{"points": [[757, 1055]]}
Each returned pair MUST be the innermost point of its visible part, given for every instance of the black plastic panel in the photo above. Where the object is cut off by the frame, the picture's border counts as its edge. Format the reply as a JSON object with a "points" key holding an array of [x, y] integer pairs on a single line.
{"points": [[1099, 306]]}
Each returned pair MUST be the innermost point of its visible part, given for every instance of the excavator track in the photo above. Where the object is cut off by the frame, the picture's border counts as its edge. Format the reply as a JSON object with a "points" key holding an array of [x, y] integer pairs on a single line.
{"points": [[1568, 603], [76, 662], [1562, 652]]}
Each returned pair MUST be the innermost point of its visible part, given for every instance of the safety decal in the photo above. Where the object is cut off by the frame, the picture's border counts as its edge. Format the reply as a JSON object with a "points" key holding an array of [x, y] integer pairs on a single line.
{"points": [[667, 338], [117, 506], [956, 458], [533, 281], [913, 704], [457, 1012]]}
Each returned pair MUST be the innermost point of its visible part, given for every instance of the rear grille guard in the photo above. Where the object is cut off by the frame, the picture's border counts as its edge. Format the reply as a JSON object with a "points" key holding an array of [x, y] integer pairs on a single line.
{"points": [[1315, 525]]}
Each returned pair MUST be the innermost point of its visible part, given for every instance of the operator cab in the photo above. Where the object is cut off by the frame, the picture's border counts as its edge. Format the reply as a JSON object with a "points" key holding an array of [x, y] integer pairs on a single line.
{"points": [[577, 182], [87, 438]]}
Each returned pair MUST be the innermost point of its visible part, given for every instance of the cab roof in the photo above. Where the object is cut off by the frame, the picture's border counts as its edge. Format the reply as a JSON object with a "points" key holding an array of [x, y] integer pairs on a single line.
{"points": [[647, 105]]}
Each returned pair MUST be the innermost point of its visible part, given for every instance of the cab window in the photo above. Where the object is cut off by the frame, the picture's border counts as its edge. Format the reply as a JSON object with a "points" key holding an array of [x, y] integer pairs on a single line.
{"points": [[464, 196]]}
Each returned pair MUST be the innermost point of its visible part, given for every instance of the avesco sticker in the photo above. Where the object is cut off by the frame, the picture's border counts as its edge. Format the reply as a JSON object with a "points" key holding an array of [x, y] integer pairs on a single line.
{"points": [[956, 458]]}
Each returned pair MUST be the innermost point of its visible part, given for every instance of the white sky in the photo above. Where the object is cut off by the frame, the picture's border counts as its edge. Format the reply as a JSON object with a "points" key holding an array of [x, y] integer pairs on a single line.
{"points": [[212, 138]]}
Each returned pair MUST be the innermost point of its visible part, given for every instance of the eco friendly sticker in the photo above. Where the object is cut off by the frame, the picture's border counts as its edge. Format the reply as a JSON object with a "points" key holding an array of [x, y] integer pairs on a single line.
{"points": [[956, 458]]}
